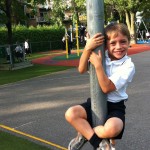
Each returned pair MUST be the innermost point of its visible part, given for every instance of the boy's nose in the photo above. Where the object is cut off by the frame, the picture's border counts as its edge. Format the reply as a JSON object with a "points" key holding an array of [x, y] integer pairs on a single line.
{"points": [[118, 45]]}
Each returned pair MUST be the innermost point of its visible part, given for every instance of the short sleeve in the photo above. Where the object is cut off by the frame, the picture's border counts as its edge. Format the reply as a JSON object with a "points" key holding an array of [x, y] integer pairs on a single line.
{"points": [[123, 75]]}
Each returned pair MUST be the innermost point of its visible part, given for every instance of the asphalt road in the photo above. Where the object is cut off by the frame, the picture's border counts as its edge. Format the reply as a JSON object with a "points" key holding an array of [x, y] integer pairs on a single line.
{"points": [[37, 106]]}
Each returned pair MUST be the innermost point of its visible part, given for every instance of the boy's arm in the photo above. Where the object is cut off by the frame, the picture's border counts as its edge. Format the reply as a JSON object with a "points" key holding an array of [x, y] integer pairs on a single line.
{"points": [[83, 63], [105, 83], [91, 44]]}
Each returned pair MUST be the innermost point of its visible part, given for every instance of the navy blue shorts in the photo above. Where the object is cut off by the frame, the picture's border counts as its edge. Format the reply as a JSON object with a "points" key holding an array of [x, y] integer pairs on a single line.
{"points": [[114, 110]]}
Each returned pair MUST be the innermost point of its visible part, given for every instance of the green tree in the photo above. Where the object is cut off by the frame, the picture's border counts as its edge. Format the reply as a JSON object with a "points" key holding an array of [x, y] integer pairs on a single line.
{"points": [[8, 12], [5, 7], [78, 6], [57, 14], [60, 6], [128, 9], [10, 15]]}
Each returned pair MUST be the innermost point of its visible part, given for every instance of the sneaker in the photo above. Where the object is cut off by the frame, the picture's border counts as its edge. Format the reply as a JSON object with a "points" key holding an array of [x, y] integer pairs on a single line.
{"points": [[104, 145], [112, 147], [77, 143]]}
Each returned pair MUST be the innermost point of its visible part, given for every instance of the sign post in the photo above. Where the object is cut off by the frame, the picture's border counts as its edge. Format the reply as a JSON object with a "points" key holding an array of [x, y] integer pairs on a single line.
{"points": [[95, 24], [77, 38], [66, 40]]}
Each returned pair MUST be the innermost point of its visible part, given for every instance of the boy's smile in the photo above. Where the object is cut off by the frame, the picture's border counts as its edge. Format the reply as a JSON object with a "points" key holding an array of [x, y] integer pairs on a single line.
{"points": [[117, 46]]}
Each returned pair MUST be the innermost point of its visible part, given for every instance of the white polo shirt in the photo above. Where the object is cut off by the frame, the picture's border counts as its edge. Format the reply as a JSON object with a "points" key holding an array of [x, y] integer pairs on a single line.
{"points": [[120, 72]]}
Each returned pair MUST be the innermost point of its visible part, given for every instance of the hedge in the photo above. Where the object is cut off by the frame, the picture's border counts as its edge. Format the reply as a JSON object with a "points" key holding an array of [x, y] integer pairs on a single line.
{"points": [[38, 35]]}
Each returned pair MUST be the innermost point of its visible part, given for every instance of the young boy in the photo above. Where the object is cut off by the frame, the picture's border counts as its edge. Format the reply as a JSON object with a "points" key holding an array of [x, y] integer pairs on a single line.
{"points": [[119, 72]]}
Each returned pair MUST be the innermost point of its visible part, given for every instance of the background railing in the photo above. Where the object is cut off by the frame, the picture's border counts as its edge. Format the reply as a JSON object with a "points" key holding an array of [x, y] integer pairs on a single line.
{"points": [[45, 46], [7, 57]]}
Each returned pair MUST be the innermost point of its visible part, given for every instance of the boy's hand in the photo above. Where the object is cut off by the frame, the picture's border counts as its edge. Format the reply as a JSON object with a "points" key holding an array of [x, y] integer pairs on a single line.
{"points": [[96, 59], [94, 42]]}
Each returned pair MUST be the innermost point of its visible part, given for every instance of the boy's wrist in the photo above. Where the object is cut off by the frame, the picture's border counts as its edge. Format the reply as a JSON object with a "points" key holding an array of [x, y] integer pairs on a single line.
{"points": [[87, 49], [98, 66]]}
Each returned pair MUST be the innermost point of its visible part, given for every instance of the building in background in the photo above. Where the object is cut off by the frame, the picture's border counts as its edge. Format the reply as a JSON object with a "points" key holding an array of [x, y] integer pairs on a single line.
{"points": [[38, 14]]}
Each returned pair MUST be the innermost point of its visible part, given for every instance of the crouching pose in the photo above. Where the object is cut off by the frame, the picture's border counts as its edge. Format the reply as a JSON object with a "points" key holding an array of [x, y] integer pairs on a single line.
{"points": [[119, 72]]}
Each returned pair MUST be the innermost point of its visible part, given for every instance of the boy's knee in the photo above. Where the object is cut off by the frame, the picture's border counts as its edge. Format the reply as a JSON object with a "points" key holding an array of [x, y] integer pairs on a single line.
{"points": [[113, 127], [70, 114], [74, 113], [113, 131]]}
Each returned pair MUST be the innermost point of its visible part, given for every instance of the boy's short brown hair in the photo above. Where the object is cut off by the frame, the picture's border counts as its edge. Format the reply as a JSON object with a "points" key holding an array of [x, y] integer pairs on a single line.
{"points": [[114, 29]]}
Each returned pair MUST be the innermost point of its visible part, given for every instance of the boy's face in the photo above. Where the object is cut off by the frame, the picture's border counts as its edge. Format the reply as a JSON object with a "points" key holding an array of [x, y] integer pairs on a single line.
{"points": [[117, 46]]}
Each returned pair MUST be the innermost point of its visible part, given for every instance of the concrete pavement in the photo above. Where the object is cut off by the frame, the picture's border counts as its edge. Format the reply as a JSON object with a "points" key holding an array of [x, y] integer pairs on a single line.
{"points": [[37, 106]]}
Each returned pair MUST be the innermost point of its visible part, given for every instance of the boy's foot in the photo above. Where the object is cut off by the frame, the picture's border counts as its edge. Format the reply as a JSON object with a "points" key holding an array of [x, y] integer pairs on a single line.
{"points": [[104, 145], [77, 143]]}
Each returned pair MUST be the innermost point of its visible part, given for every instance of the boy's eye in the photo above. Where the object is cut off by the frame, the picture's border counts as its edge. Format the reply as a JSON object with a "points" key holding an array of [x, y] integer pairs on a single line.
{"points": [[123, 41], [112, 43]]}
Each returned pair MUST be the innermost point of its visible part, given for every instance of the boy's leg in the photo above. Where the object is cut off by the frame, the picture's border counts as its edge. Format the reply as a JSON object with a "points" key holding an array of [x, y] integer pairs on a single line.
{"points": [[112, 128], [77, 117], [115, 123]]}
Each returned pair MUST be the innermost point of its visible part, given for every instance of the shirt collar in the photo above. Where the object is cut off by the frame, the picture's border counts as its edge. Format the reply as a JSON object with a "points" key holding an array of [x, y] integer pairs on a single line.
{"points": [[118, 62]]}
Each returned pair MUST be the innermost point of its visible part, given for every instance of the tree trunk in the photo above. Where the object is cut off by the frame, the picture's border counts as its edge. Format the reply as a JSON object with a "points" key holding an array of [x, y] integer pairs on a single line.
{"points": [[127, 20], [8, 24], [132, 30], [130, 19], [9, 27]]}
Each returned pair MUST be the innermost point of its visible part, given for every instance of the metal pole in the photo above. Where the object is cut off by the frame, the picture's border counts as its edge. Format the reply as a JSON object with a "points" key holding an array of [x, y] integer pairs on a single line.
{"points": [[95, 24], [66, 39]]}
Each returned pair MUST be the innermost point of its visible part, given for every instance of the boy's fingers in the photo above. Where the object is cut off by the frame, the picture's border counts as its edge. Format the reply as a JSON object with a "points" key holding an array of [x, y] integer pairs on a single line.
{"points": [[98, 34]]}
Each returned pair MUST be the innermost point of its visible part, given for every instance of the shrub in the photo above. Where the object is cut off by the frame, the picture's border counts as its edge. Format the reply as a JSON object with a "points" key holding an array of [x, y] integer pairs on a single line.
{"points": [[44, 34]]}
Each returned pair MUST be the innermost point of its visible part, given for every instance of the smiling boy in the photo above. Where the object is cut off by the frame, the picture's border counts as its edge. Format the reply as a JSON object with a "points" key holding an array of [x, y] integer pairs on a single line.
{"points": [[119, 73]]}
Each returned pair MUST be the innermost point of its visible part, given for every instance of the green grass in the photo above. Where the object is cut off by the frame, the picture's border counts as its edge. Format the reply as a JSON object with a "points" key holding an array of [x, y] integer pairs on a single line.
{"points": [[12, 142], [8, 76]]}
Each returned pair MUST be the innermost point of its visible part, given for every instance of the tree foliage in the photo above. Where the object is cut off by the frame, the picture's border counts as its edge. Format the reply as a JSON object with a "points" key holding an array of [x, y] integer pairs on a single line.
{"points": [[13, 10], [128, 10], [60, 6], [57, 15]]}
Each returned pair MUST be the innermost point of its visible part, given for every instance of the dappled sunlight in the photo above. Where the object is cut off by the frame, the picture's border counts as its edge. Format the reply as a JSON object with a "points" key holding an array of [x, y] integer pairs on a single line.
{"points": [[51, 91], [38, 98], [33, 106], [65, 88]]}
